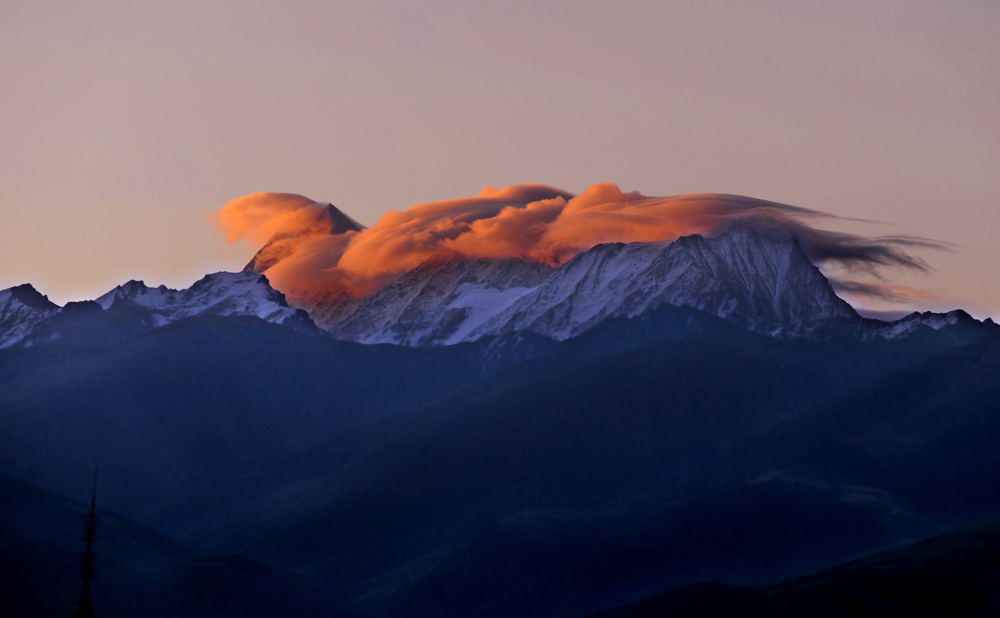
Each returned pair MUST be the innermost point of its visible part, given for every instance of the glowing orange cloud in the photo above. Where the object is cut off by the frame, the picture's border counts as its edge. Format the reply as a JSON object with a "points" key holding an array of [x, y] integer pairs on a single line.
{"points": [[259, 216], [530, 222], [283, 220]]}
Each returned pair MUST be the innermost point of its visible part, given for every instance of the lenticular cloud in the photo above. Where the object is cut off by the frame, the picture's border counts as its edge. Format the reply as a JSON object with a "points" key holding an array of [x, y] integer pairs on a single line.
{"points": [[529, 222], [259, 216]]}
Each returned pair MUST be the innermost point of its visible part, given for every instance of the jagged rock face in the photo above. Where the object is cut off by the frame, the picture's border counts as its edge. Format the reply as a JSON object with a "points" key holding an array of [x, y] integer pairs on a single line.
{"points": [[437, 303], [916, 322], [27, 318], [22, 308], [218, 294], [742, 276], [764, 285]]}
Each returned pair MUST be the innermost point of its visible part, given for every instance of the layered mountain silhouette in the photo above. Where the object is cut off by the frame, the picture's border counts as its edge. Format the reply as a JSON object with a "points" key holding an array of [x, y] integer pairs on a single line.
{"points": [[742, 276], [539, 442], [955, 574], [138, 570], [28, 319]]}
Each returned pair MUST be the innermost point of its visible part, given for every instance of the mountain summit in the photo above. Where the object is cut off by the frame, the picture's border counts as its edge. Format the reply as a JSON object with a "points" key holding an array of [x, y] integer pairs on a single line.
{"points": [[330, 220], [21, 308], [743, 276], [28, 319], [768, 286]]}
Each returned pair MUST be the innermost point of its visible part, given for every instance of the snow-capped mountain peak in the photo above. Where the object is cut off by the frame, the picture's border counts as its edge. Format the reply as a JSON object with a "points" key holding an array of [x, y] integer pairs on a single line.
{"points": [[743, 276], [27, 296], [917, 321], [28, 318], [436, 303], [21, 309], [763, 284], [221, 293]]}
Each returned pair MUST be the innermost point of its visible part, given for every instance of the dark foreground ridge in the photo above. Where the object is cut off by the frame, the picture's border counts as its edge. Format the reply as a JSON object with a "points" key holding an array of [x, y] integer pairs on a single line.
{"points": [[955, 574], [760, 284], [714, 414], [513, 476], [141, 572]]}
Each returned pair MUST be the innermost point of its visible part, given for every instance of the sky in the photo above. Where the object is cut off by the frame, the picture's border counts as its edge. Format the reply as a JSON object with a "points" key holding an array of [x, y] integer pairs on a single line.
{"points": [[126, 125]]}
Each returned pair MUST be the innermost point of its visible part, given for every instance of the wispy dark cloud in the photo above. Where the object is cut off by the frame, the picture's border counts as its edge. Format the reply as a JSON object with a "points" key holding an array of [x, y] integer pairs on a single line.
{"points": [[881, 291]]}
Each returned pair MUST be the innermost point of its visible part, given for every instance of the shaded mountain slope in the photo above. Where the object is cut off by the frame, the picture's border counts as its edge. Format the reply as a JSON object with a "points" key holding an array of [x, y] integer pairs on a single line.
{"points": [[28, 319], [673, 458], [742, 276], [955, 574], [139, 572], [21, 308], [517, 475], [198, 415], [928, 433], [759, 283], [439, 302]]}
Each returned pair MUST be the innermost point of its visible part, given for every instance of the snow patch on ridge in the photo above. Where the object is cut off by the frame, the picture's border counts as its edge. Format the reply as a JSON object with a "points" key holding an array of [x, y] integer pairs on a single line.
{"points": [[764, 285], [742, 276], [916, 321], [22, 308], [217, 294], [760, 283], [437, 302], [28, 318]]}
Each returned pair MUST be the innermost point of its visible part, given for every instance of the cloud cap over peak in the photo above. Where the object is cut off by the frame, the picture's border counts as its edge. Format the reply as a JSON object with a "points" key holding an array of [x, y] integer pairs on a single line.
{"points": [[531, 222]]}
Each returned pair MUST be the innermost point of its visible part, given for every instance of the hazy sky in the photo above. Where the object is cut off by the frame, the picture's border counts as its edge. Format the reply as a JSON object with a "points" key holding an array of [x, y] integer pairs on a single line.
{"points": [[126, 123]]}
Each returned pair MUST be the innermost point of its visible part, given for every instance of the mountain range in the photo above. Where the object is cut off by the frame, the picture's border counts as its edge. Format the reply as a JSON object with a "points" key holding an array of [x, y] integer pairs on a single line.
{"points": [[742, 276], [537, 441]]}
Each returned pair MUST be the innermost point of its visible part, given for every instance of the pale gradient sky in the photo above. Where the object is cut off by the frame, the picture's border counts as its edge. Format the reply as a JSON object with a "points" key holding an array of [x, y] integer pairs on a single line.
{"points": [[125, 123]]}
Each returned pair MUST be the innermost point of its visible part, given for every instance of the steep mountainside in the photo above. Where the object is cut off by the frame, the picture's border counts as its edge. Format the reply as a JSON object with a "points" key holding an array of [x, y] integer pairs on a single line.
{"points": [[583, 480], [764, 285], [203, 413], [955, 574], [218, 294], [28, 319], [741, 276], [437, 303], [139, 572], [666, 448], [21, 309], [490, 438]]}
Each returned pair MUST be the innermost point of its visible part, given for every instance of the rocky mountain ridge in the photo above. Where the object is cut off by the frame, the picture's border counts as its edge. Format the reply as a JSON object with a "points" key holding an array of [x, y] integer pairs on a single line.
{"points": [[764, 285], [27, 318]]}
